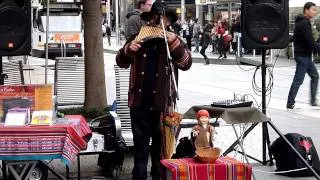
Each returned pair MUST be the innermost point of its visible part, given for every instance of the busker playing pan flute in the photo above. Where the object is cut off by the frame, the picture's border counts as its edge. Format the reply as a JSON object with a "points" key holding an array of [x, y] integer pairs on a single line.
{"points": [[151, 89]]}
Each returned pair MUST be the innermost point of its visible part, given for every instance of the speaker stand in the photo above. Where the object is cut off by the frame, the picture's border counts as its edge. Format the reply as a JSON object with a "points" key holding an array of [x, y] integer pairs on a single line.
{"points": [[265, 133], [2, 76]]}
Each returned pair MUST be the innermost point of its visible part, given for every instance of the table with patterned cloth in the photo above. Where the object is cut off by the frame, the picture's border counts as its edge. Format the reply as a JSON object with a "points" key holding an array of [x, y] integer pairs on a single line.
{"points": [[62, 140], [225, 168]]}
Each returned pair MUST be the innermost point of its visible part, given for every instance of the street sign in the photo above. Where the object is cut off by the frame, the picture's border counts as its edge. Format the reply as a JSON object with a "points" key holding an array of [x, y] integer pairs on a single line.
{"points": [[211, 2], [201, 2]]}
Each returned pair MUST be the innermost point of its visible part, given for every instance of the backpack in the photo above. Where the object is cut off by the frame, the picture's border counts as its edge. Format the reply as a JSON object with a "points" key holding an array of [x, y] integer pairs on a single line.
{"points": [[184, 149], [286, 158]]}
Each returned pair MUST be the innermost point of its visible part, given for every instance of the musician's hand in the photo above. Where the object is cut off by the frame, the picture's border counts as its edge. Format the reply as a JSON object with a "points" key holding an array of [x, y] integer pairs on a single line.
{"points": [[171, 37], [134, 46]]}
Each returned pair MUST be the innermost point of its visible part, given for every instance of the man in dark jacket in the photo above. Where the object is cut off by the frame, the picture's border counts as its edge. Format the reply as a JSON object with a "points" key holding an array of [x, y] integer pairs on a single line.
{"points": [[134, 22], [304, 44], [206, 37], [150, 87]]}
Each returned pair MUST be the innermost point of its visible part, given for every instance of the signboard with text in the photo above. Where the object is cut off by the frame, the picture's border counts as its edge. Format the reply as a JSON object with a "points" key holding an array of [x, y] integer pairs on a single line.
{"points": [[201, 2]]}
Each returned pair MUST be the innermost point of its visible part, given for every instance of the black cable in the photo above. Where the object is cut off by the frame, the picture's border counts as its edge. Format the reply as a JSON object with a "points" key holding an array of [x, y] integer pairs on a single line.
{"points": [[240, 66], [275, 62], [258, 90]]}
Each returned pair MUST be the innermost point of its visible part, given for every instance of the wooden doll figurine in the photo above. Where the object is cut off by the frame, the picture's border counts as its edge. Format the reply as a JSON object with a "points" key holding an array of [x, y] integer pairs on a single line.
{"points": [[202, 133]]}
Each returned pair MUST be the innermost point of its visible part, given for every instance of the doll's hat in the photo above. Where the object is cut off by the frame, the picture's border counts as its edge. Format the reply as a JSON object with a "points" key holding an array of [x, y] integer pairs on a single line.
{"points": [[202, 112]]}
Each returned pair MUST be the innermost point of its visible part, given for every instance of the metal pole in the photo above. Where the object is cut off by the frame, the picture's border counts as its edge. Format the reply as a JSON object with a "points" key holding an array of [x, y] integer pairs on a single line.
{"points": [[292, 50], [238, 44], [229, 14], [265, 132], [108, 13], [271, 56], [209, 17], [47, 41], [264, 125], [2, 76], [117, 23], [198, 11], [183, 13]]}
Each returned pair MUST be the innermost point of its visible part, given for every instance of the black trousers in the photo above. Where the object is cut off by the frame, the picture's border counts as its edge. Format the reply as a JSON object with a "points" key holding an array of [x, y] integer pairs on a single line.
{"points": [[188, 38], [145, 124], [203, 51], [305, 65]]}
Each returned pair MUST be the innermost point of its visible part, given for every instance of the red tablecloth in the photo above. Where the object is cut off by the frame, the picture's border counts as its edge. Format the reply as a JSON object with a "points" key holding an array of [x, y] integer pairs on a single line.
{"points": [[62, 140], [224, 168]]}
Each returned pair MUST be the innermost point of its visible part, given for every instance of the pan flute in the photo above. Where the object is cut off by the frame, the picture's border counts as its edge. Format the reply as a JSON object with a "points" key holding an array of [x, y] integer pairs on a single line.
{"points": [[149, 32]]}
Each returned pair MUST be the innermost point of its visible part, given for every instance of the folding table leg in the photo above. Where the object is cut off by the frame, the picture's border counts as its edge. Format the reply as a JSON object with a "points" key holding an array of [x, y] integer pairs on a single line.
{"points": [[240, 144], [30, 170], [79, 168], [4, 170], [68, 172]]}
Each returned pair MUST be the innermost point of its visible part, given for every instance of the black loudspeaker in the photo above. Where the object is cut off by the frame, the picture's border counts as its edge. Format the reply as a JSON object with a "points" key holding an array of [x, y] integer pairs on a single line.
{"points": [[15, 27], [265, 24]]}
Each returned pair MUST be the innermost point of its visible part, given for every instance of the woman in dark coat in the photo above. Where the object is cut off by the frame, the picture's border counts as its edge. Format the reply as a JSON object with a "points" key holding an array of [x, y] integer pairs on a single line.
{"points": [[221, 42]]}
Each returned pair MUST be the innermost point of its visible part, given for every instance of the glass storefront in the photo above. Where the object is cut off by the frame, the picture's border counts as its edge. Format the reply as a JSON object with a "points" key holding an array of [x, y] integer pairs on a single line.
{"points": [[294, 11]]}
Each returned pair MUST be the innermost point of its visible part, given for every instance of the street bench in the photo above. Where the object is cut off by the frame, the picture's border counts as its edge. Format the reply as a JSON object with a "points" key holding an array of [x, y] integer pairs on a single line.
{"points": [[14, 72], [122, 77], [69, 81]]}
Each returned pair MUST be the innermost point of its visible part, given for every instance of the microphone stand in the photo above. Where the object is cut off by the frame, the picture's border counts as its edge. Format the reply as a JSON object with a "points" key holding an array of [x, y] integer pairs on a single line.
{"points": [[173, 76]]}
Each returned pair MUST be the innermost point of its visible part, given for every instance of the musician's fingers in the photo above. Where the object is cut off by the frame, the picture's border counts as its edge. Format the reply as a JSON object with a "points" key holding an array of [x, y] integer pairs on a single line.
{"points": [[134, 47], [134, 43], [162, 34], [171, 37]]}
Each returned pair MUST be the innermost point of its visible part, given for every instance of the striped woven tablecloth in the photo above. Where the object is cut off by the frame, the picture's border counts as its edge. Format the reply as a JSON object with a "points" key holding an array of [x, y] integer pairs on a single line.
{"points": [[44, 142], [225, 168]]}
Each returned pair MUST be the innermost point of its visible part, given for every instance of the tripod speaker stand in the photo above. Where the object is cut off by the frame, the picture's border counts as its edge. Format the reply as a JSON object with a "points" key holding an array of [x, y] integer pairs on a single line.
{"points": [[265, 134]]}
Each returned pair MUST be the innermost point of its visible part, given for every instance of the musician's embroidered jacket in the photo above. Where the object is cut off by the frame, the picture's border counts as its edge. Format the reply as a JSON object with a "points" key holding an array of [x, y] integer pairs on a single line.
{"points": [[163, 96]]}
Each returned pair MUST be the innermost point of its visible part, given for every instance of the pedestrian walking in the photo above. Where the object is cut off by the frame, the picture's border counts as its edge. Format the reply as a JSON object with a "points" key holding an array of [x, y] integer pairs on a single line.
{"points": [[214, 37], [221, 31], [206, 38], [108, 33], [196, 34], [304, 46], [189, 34]]}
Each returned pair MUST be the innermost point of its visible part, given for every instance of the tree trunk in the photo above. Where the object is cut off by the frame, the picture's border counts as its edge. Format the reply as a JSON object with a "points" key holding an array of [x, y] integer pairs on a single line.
{"points": [[95, 85]]}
